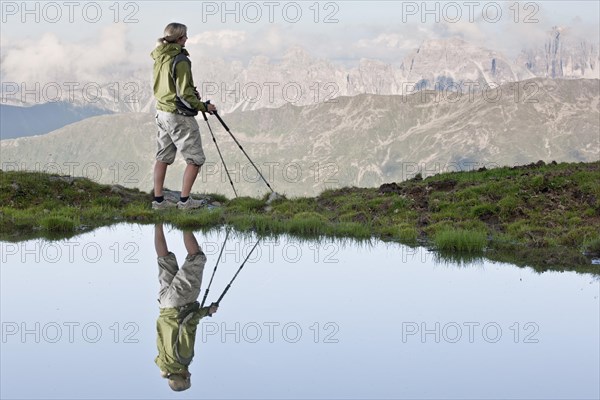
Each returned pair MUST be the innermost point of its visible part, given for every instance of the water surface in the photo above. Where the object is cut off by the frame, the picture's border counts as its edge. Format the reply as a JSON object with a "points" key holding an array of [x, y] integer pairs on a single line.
{"points": [[316, 319]]}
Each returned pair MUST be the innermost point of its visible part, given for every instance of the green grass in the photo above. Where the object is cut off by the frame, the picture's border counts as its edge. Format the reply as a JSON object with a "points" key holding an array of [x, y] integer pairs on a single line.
{"points": [[592, 245], [13, 219], [58, 223], [196, 219], [245, 205], [407, 234], [306, 224], [460, 241]]}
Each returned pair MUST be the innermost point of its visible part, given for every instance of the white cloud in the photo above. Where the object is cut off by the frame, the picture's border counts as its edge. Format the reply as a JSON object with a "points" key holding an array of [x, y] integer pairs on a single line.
{"points": [[53, 59], [125, 48], [225, 39], [239, 45], [390, 47], [384, 39]]}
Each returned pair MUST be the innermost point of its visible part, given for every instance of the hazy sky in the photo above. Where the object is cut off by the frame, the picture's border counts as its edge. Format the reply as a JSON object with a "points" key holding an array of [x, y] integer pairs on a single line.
{"points": [[44, 37]]}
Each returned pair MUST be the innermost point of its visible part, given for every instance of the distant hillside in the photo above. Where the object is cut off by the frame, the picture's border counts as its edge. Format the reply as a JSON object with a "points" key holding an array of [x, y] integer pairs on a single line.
{"points": [[363, 140], [39, 119]]}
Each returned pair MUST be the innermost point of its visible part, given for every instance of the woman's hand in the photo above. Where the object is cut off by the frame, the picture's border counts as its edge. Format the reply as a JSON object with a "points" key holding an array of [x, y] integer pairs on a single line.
{"points": [[209, 107], [213, 307]]}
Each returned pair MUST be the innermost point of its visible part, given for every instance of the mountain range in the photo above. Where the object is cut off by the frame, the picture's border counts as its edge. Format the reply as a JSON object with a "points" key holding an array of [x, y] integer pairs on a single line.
{"points": [[299, 78], [363, 140]]}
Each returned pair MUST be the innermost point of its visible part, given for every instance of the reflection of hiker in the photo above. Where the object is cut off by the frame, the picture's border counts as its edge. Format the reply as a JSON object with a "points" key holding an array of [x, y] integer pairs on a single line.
{"points": [[177, 102], [180, 311]]}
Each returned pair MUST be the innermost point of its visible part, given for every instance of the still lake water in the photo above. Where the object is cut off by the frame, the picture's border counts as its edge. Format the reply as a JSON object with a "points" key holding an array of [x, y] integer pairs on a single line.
{"points": [[328, 319]]}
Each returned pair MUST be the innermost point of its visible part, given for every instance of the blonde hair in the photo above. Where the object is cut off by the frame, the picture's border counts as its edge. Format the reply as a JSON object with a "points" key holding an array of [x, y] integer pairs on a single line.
{"points": [[173, 32]]}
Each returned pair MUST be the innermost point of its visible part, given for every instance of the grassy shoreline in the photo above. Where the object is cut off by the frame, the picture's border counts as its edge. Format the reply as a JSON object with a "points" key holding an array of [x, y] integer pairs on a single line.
{"points": [[542, 215]]}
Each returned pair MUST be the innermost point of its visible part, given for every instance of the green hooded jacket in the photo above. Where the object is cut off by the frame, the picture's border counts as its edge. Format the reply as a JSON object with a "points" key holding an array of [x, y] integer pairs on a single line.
{"points": [[176, 337], [165, 91]]}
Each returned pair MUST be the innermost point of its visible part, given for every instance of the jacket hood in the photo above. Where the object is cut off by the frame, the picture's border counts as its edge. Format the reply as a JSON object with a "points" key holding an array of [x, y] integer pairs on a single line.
{"points": [[167, 51]]}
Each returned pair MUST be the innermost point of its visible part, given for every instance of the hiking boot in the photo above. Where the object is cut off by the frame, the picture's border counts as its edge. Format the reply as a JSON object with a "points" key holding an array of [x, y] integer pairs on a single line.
{"points": [[163, 205], [191, 204]]}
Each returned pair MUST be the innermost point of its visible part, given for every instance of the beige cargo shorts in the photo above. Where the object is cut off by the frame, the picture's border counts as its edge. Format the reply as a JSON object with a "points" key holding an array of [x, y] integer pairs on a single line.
{"points": [[179, 286], [178, 132]]}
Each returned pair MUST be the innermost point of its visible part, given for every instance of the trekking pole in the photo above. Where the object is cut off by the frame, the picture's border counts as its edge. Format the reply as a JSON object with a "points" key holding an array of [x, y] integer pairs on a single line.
{"points": [[219, 151], [215, 269], [235, 276], [216, 114]]}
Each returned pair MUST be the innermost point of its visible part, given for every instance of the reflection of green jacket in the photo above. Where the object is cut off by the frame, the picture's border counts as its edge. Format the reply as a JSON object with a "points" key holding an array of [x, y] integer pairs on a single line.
{"points": [[176, 334], [165, 91]]}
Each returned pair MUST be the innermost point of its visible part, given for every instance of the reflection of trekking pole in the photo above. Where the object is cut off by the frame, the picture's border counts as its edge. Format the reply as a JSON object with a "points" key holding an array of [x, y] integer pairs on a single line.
{"points": [[215, 269], [222, 160], [235, 276], [241, 148]]}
